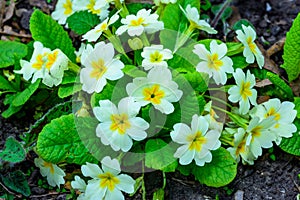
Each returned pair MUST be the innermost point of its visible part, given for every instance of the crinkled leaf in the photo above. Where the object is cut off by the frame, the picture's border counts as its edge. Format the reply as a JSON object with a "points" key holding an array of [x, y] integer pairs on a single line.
{"points": [[159, 155], [17, 182], [46, 30], [13, 151], [59, 141], [10, 52], [68, 89], [10, 111], [22, 97], [83, 21], [69, 77], [297, 106], [219, 172], [291, 49], [133, 8], [6, 85], [292, 145], [277, 81], [239, 61]]}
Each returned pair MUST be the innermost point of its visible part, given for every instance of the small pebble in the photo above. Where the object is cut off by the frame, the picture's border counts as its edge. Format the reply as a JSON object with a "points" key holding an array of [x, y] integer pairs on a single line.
{"points": [[239, 195]]}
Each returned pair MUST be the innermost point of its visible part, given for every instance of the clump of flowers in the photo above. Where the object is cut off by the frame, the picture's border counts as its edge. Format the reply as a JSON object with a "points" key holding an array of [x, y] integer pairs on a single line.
{"points": [[151, 108]]}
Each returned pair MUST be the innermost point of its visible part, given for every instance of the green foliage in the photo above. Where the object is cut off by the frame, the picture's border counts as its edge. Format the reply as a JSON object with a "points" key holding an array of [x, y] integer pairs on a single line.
{"points": [[277, 81], [291, 56], [22, 97], [68, 90], [17, 182], [59, 141], [297, 106], [159, 155], [234, 48], [219, 172], [133, 71], [159, 194], [239, 61], [133, 8], [13, 151], [11, 52], [238, 24], [11, 109], [83, 21], [291, 145], [46, 30], [6, 85]]}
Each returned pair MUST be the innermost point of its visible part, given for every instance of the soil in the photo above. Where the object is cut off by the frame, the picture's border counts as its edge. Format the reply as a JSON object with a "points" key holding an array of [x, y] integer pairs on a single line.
{"points": [[269, 178]]}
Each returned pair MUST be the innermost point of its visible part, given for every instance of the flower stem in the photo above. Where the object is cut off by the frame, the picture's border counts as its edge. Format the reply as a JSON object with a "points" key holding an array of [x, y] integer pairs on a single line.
{"points": [[183, 37], [121, 6], [73, 67], [145, 39], [219, 100]]}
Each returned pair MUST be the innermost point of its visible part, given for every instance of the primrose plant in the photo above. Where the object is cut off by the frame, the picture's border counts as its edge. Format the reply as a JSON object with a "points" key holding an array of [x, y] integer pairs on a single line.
{"points": [[148, 88]]}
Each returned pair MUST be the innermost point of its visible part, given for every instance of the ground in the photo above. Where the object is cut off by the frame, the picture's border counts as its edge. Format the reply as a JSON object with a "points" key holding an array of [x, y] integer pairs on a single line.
{"points": [[270, 178]]}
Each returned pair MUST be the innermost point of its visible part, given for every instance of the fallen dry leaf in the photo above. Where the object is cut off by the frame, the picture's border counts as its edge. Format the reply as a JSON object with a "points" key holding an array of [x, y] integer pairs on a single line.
{"points": [[263, 83], [9, 10]]}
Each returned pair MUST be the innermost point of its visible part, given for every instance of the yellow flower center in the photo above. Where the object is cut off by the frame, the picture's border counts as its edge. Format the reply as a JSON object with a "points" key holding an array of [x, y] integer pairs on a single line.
{"points": [[120, 122], [103, 27], [51, 59], [49, 165], [68, 7], [256, 132], [39, 62], [153, 94], [214, 62], [196, 141], [245, 90], [108, 180], [156, 57], [91, 8], [272, 112], [137, 22], [98, 69], [241, 148], [251, 45]]}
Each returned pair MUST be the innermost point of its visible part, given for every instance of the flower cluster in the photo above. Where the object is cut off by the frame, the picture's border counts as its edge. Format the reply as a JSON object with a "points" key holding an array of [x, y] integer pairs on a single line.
{"points": [[106, 183], [154, 81], [45, 64]]}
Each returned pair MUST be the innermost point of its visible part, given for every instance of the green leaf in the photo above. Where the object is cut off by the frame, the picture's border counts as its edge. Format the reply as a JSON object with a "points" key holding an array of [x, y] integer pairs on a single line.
{"points": [[239, 61], [22, 97], [83, 21], [234, 48], [159, 155], [6, 85], [10, 111], [219, 172], [297, 106], [238, 24], [133, 71], [277, 81], [159, 194], [133, 8], [17, 182], [69, 77], [291, 49], [46, 30], [68, 90], [291, 145], [13, 151], [10, 52], [59, 141]]}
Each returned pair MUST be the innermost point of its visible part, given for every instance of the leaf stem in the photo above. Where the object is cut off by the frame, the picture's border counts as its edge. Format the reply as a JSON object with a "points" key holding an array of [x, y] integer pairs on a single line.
{"points": [[219, 100], [219, 14]]}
